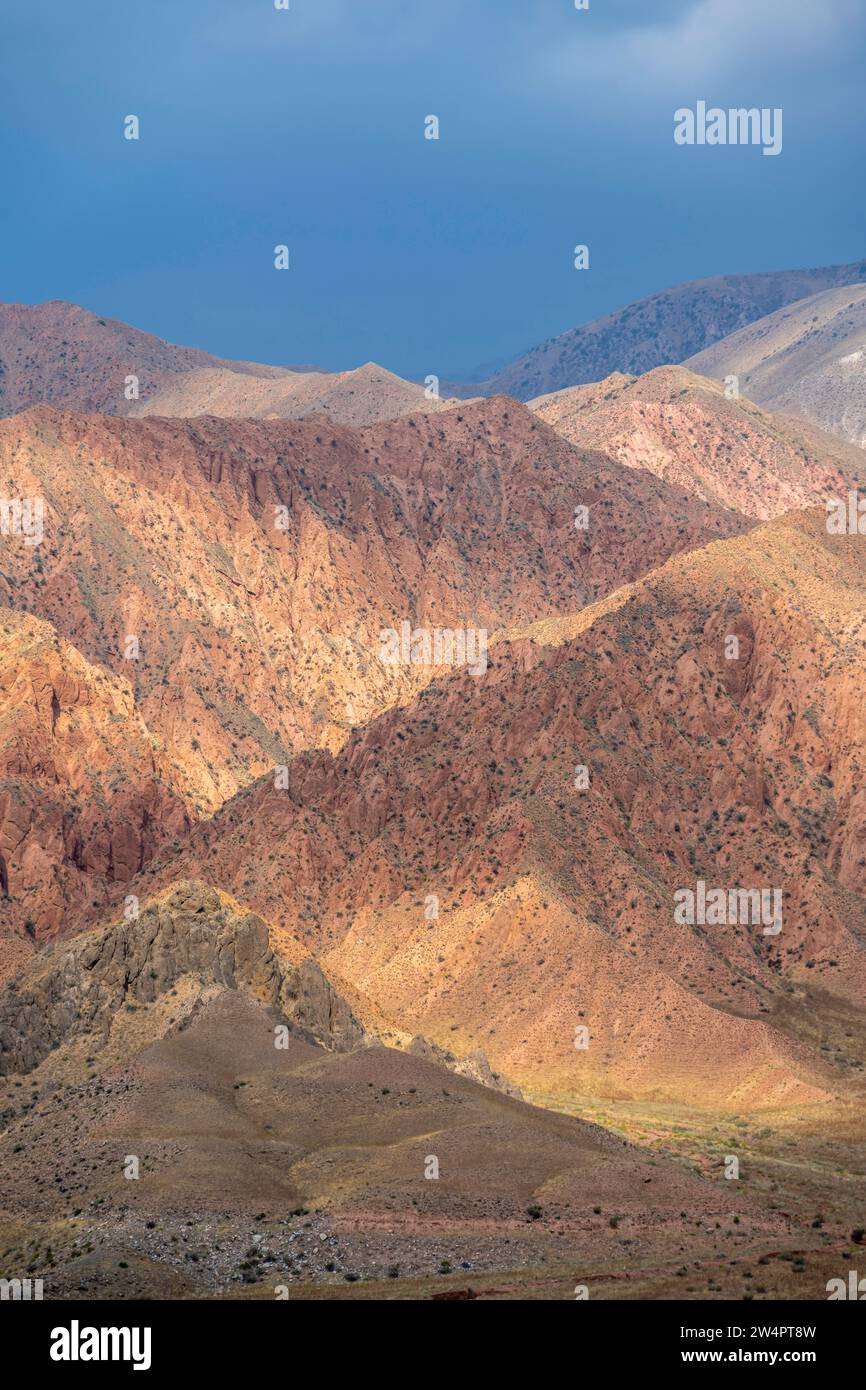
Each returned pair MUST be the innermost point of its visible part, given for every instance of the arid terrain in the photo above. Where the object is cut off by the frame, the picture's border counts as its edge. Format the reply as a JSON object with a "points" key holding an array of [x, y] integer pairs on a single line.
{"points": [[808, 359], [689, 430], [253, 566], [330, 975]]}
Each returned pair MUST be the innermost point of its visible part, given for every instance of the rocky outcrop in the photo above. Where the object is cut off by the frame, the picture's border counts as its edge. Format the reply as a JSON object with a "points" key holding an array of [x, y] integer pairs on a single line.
{"points": [[309, 1000], [84, 800], [474, 1065], [189, 930]]}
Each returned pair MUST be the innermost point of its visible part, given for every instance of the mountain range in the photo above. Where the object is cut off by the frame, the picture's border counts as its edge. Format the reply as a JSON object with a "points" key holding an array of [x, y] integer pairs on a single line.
{"points": [[667, 327], [374, 963]]}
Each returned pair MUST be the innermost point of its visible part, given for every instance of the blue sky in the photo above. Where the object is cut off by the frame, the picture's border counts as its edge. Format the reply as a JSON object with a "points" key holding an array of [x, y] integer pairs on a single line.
{"points": [[305, 127]]}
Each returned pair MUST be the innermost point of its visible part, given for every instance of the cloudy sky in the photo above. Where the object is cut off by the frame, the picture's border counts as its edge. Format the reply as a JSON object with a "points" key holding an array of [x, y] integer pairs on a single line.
{"points": [[306, 127]]}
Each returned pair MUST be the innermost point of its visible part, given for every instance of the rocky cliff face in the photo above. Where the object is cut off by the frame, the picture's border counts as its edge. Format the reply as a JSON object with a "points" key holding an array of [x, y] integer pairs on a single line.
{"points": [[474, 1065], [85, 795], [191, 930]]}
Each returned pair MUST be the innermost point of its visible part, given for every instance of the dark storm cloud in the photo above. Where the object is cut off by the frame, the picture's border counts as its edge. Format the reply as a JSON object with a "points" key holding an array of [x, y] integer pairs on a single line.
{"points": [[306, 127]]}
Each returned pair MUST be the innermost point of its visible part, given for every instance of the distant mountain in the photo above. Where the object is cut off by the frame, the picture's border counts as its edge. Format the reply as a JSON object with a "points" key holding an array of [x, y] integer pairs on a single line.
{"points": [[666, 327], [361, 397], [807, 359], [60, 354], [686, 430]]}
